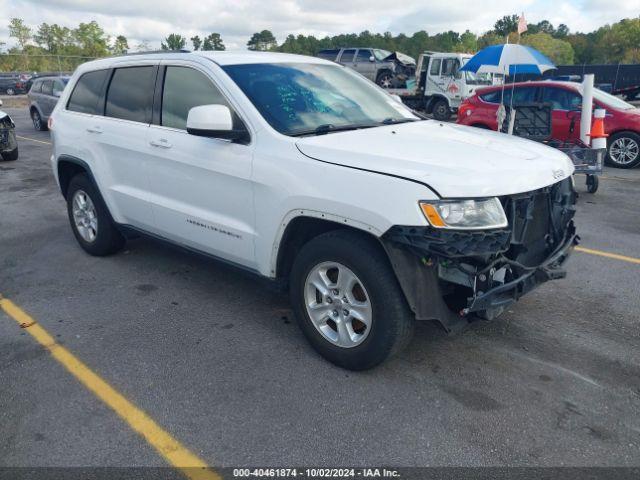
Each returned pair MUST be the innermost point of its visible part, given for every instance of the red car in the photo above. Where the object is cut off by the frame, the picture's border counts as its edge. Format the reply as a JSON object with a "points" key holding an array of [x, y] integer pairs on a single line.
{"points": [[622, 121]]}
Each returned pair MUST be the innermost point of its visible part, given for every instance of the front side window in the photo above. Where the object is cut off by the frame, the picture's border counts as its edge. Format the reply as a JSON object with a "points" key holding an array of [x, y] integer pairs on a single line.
{"points": [[58, 87], [87, 93], [450, 67], [435, 67], [363, 55], [185, 88], [303, 98], [130, 94], [561, 99]]}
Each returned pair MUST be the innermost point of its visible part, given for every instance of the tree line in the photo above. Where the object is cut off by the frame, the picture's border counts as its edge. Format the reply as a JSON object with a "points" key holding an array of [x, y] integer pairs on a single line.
{"points": [[52, 47]]}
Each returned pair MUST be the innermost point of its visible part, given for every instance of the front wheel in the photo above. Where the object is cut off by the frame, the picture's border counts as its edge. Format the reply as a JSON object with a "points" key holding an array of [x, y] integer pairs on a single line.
{"points": [[348, 302], [385, 80], [11, 155], [592, 183], [441, 110], [623, 150], [90, 220], [11, 91]]}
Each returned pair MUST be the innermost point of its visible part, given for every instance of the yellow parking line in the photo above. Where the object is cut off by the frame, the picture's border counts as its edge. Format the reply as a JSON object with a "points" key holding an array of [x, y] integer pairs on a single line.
{"points": [[608, 255], [33, 140], [168, 447]]}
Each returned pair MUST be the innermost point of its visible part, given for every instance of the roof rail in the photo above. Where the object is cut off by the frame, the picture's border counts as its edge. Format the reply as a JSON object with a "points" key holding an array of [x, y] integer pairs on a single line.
{"points": [[150, 52]]}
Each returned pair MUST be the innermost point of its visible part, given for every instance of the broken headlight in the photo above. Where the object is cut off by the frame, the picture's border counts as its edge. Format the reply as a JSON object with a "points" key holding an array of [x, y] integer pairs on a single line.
{"points": [[465, 214]]}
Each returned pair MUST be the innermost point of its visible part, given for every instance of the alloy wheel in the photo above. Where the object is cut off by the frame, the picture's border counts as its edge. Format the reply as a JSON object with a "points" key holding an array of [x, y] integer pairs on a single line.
{"points": [[85, 216], [624, 150], [338, 304]]}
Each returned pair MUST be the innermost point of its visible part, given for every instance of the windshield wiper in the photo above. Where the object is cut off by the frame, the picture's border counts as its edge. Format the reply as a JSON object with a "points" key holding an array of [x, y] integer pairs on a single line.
{"points": [[395, 121], [329, 127]]}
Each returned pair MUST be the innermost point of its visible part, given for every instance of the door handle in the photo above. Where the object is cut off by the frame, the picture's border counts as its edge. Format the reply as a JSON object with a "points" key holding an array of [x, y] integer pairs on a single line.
{"points": [[161, 143], [94, 129]]}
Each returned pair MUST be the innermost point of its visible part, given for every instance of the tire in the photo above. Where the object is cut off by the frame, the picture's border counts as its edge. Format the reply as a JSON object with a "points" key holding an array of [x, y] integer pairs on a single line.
{"points": [[106, 238], [592, 183], [375, 290], [11, 155], [623, 150], [441, 111], [384, 80], [38, 124]]}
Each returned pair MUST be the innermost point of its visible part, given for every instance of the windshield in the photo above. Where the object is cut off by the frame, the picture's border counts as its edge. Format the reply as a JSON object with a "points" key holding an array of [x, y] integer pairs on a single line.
{"points": [[471, 78], [301, 98], [380, 54], [610, 100]]}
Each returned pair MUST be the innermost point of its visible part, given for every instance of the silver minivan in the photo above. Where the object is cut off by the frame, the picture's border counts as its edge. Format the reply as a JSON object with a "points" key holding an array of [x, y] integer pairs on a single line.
{"points": [[43, 98]]}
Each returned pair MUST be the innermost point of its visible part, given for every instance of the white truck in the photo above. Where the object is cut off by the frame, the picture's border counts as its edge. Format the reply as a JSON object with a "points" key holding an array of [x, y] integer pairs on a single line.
{"points": [[439, 87], [304, 172]]}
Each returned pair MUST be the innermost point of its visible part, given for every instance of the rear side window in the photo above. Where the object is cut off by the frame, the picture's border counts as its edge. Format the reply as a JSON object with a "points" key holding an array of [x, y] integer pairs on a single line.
{"points": [[47, 87], [347, 56], [328, 54], [130, 94], [87, 93], [36, 88], [185, 88]]}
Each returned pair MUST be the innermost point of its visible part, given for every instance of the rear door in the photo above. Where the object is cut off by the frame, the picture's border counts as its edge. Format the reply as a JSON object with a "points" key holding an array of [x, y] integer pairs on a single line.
{"points": [[45, 98], [565, 114], [122, 138], [200, 187]]}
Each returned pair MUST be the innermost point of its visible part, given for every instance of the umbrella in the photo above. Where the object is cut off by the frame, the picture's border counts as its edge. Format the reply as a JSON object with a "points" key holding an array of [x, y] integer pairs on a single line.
{"points": [[508, 59]]}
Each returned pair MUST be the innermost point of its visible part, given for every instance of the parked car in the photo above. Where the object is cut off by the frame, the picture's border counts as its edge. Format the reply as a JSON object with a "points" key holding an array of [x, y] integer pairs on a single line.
{"points": [[387, 69], [8, 142], [12, 85], [305, 173], [622, 122], [43, 97]]}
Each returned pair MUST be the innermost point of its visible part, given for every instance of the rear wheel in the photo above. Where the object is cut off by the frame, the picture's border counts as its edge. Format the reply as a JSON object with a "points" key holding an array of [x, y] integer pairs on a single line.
{"points": [[38, 124], [348, 302], [623, 150], [441, 110], [90, 220]]}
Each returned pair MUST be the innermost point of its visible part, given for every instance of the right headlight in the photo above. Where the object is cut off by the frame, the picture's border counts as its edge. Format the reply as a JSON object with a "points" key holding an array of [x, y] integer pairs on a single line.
{"points": [[465, 214]]}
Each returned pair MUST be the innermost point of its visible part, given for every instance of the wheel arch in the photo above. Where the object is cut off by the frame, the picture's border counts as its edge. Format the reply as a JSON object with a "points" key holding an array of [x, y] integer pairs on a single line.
{"points": [[301, 226], [68, 167]]}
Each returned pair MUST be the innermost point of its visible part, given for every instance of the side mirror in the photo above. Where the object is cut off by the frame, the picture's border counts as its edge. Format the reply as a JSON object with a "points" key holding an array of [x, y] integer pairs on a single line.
{"points": [[372, 58], [213, 121], [57, 93]]}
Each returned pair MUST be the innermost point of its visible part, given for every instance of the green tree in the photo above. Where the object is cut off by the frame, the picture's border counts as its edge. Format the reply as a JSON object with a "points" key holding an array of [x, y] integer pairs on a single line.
{"points": [[92, 39], [559, 51], [213, 41], [19, 31], [506, 25], [196, 42], [262, 41], [120, 45], [173, 42]]}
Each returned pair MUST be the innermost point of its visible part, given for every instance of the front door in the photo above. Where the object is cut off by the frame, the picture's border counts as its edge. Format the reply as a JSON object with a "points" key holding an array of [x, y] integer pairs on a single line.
{"points": [[364, 65], [200, 187]]}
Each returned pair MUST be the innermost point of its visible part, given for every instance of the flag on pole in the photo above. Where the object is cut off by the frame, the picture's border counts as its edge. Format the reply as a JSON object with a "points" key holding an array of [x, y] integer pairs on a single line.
{"points": [[522, 24]]}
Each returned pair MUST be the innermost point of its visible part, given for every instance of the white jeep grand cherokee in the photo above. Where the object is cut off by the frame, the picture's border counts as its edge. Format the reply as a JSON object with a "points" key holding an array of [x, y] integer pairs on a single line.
{"points": [[302, 171]]}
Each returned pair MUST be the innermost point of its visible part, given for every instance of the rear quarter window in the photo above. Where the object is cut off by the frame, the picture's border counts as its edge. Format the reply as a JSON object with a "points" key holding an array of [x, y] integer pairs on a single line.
{"points": [[87, 93]]}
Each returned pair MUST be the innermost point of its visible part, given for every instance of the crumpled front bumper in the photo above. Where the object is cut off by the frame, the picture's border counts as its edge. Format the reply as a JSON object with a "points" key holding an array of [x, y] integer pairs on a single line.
{"points": [[447, 275]]}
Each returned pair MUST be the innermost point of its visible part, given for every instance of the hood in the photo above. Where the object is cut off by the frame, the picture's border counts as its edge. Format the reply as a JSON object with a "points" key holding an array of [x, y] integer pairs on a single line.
{"points": [[454, 160], [400, 58]]}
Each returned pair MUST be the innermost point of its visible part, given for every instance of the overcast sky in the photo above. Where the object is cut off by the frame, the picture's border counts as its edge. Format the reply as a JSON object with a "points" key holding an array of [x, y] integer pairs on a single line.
{"points": [[236, 20]]}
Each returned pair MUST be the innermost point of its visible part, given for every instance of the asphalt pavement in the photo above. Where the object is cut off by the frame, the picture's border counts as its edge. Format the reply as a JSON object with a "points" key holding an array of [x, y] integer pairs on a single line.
{"points": [[213, 356]]}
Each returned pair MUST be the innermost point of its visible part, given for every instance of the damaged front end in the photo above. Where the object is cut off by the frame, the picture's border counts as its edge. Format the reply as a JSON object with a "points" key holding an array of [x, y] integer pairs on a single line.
{"points": [[455, 275], [8, 142]]}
